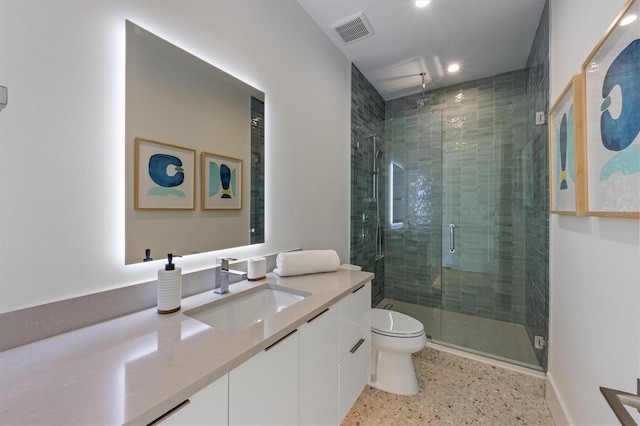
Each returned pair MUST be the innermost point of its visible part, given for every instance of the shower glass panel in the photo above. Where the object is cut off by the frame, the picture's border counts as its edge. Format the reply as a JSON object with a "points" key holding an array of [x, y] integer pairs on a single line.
{"points": [[368, 198], [455, 248], [413, 239], [483, 270]]}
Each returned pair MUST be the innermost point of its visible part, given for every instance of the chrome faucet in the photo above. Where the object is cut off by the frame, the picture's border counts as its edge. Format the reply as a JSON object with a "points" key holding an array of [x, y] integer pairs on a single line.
{"points": [[222, 275]]}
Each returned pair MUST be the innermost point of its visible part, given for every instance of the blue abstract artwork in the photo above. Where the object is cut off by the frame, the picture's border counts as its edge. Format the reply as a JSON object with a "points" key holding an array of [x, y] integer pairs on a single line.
{"points": [[612, 101], [566, 146], [221, 182], [164, 176], [562, 161], [619, 133], [159, 166]]}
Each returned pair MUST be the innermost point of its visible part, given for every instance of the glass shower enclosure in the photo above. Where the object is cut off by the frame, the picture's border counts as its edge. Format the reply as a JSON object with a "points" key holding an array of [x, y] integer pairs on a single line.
{"points": [[456, 191]]}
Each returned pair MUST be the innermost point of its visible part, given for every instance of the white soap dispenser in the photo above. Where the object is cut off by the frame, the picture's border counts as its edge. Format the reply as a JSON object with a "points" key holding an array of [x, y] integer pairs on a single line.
{"points": [[169, 287]]}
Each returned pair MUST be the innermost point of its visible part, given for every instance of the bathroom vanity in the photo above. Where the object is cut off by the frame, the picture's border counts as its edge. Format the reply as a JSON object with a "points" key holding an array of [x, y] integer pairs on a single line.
{"points": [[306, 364]]}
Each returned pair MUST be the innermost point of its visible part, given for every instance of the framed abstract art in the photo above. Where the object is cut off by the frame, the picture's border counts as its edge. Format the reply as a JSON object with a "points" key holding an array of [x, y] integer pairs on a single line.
{"points": [[164, 176], [221, 182], [611, 76], [566, 146]]}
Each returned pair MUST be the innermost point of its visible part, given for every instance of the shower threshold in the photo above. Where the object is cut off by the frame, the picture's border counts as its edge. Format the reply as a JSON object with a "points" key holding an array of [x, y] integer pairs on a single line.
{"points": [[494, 339], [508, 364]]}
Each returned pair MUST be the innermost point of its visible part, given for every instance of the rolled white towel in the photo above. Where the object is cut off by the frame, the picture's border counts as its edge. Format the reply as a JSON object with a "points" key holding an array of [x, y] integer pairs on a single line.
{"points": [[306, 262]]}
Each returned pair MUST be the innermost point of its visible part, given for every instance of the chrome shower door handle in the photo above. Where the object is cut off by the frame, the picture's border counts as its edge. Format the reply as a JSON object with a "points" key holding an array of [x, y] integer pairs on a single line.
{"points": [[452, 238]]}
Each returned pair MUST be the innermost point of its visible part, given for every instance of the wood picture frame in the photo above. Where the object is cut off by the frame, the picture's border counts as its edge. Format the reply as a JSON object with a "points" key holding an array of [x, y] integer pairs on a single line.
{"points": [[221, 182], [566, 151], [164, 176], [611, 78]]}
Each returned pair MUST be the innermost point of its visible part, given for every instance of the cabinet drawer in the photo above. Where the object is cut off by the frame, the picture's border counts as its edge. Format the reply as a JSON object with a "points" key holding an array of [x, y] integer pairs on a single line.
{"points": [[318, 395], [264, 389], [354, 317], [207, 407], [354, 374]]}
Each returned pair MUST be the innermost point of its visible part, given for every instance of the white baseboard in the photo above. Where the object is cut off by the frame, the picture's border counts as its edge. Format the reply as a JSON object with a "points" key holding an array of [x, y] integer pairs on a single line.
{"points": [[556, 404]]}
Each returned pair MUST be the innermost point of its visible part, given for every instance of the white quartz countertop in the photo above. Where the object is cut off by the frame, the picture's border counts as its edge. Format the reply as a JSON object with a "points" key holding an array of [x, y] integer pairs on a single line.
{"points": [[133, 369]]}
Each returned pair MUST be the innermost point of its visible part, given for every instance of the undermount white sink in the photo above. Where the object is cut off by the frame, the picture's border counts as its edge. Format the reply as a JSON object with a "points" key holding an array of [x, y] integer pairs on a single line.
{"points": [[246, 308]]}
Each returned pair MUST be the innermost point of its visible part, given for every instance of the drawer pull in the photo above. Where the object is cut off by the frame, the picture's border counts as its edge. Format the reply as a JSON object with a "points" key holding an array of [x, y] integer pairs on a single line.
{"points": [[279, 340], [318, 315], [169, 413], [359, 288], [357, 345]]}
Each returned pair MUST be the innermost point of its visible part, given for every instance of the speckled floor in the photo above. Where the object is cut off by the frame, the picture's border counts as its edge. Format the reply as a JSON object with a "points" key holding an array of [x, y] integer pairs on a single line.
{"points": [[456, 391]]}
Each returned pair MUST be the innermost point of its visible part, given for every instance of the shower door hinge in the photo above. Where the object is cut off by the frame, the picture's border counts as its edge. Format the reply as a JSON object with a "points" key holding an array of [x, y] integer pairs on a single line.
{"points": [[541, 118], [539, 342]]}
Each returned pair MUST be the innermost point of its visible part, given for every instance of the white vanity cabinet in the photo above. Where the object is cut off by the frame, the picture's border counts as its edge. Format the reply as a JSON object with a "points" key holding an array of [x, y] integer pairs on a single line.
{"points": [[318, 404], [208, 407], [311, 377], [355, 346], [264, 390]]}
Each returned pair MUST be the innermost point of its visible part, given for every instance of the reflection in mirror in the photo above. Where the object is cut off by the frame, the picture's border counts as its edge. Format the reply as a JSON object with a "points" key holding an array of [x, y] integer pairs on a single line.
{"points": [[184, 105], [397, 194]]}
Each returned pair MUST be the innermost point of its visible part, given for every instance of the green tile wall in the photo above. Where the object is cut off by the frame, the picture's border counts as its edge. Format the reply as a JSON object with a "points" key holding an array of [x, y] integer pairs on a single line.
{"points": [[461, 168], [257, 171], [367, 116]]}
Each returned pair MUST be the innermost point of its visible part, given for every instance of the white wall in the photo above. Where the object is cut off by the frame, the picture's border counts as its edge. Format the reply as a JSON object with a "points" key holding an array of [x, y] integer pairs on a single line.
{"points": [[594, 262], [62, 134]]}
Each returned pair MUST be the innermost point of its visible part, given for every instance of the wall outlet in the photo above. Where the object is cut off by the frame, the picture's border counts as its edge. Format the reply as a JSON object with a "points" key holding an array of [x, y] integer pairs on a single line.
{"points": [[539, 342]]}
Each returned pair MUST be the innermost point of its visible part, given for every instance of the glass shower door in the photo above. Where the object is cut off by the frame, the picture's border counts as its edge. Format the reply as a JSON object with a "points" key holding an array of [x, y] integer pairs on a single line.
{"points": [[483, 280], [468, 207]]}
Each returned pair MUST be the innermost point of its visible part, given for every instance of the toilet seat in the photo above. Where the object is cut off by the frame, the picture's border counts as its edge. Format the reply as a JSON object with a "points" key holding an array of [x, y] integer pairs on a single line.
{"points": [[395, 324]]}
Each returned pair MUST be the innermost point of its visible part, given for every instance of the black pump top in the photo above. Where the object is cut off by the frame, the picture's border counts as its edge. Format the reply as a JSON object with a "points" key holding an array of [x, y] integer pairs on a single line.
{"points": [[147, 254], [169, 266]]}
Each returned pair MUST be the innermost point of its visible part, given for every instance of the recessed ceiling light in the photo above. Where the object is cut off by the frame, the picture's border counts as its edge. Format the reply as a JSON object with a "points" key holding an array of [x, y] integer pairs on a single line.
{"points": [[422, 3], [628, 19], [453, 68]]}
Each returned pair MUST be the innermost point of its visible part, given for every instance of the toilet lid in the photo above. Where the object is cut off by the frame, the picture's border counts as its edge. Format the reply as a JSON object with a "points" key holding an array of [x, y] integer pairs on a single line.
{"points": [[392, 323]]}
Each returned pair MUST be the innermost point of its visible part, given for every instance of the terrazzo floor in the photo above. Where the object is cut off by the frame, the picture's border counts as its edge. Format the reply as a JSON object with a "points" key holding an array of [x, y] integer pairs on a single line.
{"points": [[456, 391]]}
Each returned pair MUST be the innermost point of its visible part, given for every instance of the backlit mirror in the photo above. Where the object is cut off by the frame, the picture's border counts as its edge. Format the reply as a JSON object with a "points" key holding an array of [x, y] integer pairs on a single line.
{"points": [[194, 153]]}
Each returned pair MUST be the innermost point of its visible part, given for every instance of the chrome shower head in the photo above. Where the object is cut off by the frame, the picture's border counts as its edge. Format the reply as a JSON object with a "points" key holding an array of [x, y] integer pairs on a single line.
{"points": [[421, 102]]}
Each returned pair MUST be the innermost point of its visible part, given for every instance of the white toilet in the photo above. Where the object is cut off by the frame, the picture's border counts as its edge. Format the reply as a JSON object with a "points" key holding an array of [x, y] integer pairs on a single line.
{"points": [[394, 337]]}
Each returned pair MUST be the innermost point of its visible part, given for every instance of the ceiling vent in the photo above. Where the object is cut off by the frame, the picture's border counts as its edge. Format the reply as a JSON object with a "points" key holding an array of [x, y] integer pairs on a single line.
{"points": [[354, 28]]}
